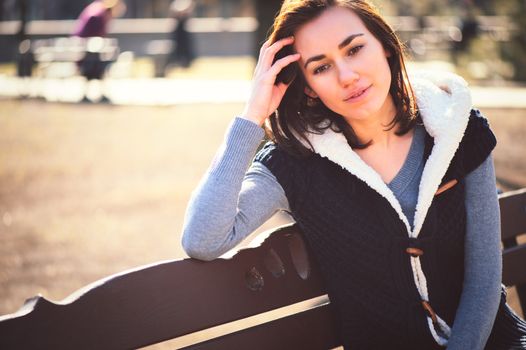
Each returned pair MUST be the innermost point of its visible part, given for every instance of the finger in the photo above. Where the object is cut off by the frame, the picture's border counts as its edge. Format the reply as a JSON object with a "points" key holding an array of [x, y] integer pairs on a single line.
{"points": [[264, 46], [262, 50], [270, 52], [282, 63], [273, 49]]}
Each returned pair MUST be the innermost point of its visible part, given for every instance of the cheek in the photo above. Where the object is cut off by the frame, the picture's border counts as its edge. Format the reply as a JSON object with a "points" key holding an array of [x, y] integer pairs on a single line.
{"points": [[327, 89], [376, 57], [308, 80], [387, 73], [322, 85], [379, 65]]}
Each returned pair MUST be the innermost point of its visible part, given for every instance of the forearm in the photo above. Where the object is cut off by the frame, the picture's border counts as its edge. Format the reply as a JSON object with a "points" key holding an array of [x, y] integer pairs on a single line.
{"points": [[212, 207], [228, 204], [483, 262]]}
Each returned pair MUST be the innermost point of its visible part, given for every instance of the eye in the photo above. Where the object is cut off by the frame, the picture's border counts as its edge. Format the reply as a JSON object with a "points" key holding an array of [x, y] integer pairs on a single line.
{"points": [[321, 69], [354, 50]]}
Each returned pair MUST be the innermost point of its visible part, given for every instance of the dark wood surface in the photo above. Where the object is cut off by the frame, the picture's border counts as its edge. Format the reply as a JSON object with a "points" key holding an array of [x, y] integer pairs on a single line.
{"points": [[513, 224], [514, 262], [513, 213], [314, 329], [169, 299]]}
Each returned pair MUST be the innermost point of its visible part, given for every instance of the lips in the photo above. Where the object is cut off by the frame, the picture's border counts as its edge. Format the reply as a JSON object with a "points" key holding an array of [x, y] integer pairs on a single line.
{"points": [[356, 93]]}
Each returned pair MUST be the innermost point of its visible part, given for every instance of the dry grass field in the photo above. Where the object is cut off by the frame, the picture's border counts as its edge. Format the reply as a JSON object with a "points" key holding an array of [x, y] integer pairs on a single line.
{"points": [[90, 190]]}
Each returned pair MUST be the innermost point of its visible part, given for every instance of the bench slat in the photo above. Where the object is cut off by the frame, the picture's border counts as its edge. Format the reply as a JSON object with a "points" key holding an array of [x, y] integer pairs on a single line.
{"points": [[513, 213], [309, 330], [514, 260], [513, 224]]}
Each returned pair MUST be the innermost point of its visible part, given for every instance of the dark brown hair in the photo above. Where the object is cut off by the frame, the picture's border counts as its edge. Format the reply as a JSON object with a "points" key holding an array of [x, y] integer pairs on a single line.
{"points": [[298, 114]]}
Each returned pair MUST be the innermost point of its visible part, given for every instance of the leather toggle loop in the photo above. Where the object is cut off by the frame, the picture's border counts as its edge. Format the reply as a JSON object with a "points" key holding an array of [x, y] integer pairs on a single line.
{"points": [[446, 186], [414, 252], [429, 311]]}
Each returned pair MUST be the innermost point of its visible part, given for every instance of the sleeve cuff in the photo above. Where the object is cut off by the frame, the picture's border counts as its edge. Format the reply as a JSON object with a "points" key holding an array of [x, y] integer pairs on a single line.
{"points": [[239, 146]]}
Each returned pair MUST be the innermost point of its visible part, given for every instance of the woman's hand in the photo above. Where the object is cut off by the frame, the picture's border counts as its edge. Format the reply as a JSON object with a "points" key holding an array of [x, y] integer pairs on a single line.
{"points": [[265, 96]]}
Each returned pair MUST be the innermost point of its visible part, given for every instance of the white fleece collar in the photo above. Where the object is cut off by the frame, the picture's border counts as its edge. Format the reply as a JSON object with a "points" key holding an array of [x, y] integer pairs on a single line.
{"points": [[444, 102]]}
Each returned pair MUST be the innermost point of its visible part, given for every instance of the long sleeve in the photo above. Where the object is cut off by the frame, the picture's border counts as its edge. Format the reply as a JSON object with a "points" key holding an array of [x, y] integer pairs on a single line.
{"points": [[483, 262], [231, 202]]}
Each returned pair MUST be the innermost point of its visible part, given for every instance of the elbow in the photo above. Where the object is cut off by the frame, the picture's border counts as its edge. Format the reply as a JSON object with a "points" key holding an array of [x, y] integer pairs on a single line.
{"points": [[198, 251], [199, 254]]}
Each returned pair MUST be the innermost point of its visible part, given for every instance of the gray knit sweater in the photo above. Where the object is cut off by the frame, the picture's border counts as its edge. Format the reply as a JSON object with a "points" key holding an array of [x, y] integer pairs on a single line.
{"points": [[231, 202]]}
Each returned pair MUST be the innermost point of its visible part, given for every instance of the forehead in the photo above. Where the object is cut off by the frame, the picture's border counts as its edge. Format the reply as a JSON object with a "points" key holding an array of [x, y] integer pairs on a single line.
{"points": [[325, 32]]}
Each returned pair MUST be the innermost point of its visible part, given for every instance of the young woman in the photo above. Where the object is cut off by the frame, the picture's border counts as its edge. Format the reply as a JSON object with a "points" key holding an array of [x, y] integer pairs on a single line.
{"points": [[389, 176]]}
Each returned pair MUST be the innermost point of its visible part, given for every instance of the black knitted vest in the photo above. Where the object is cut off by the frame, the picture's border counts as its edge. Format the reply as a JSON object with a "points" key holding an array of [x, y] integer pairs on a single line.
{"points": [[360, 243]]}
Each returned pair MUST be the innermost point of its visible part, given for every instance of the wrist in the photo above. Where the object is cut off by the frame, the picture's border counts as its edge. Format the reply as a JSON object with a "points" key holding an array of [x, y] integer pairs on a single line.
{"points": [[255, 120]]}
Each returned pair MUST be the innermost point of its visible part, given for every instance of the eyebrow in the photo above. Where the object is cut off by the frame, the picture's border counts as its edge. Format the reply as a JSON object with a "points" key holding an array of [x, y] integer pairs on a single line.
{"points": [[341, 45]]}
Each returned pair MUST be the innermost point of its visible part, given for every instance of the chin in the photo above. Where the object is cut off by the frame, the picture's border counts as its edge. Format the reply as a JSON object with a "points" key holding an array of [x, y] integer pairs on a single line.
{"points": [[360, 113]]}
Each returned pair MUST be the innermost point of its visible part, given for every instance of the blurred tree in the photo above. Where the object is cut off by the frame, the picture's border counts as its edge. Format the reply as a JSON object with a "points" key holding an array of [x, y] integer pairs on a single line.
{"points": [[468, 26], [514, 51], [486, 6], [424, 8]]}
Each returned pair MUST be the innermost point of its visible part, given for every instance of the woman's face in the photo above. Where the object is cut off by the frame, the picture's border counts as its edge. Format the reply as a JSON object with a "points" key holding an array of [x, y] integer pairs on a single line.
{"points": [[345, 66]]}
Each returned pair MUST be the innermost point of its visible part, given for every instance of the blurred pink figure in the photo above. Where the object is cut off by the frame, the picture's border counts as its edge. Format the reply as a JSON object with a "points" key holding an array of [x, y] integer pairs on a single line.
{"points": [[94, 19]]}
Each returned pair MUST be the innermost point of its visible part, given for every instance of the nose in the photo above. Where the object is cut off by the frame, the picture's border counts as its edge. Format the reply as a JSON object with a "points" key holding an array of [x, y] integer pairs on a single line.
{"points": [[347, 74]]}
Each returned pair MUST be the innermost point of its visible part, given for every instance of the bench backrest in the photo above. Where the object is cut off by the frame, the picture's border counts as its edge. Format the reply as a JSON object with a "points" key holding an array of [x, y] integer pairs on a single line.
{"points": [[267, 297], [73, 49], [175, 298]]}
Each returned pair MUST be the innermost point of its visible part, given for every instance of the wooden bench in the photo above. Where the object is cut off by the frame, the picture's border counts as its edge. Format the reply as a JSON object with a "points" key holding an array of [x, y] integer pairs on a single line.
{"points": [[273, 288], [92, 55]]}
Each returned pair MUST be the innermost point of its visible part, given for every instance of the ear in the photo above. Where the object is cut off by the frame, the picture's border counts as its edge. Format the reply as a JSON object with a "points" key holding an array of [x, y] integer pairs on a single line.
{"points": [[309, 92]]}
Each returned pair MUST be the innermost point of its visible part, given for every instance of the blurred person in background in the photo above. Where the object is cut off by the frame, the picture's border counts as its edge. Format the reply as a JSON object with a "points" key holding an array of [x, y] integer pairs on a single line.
{"points": [[23, 8], [182, 53], [94, 19], [93, 22], [24, 54]]}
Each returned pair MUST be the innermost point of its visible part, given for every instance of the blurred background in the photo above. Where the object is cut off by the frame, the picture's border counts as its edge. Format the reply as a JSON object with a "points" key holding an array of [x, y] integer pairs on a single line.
{"points": [[109, 118]]}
